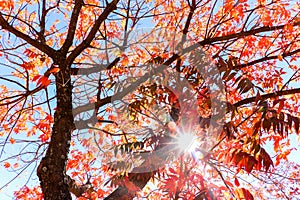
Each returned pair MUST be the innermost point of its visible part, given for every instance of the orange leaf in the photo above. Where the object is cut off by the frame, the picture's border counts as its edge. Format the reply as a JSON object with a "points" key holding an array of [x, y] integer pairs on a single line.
{"points": [[6, 164], [16, 165], [108, 109], [111, 117], [54, 70], [100, 192], [125, 60], [12, 140], [94, 195]]}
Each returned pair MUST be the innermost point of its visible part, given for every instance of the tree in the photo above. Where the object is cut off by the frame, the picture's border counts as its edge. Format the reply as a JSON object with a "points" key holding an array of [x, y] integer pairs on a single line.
{"points": [[151, 99]]}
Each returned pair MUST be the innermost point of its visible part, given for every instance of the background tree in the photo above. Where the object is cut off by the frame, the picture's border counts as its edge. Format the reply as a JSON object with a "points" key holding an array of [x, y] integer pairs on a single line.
{"points": [[84, 101]]}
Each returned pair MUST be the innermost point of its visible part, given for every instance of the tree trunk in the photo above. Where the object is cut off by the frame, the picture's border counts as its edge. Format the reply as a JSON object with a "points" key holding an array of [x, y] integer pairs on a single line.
{"points": [[51, 171]]}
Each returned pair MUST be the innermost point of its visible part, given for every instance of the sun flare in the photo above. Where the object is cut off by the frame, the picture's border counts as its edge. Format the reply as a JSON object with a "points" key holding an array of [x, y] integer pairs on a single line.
{"points": [[187, 142]]}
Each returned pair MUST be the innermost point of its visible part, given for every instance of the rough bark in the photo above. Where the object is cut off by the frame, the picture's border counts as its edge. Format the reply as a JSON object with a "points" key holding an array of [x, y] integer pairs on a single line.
{"points": [[51, 171]]}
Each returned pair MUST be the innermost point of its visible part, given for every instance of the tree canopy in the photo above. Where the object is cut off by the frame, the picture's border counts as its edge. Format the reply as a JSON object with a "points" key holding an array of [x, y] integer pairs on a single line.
{"points": [[173, 99]]}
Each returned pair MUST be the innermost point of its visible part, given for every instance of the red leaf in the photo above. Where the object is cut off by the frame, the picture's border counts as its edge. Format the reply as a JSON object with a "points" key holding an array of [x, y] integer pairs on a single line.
{"points": [[43, 81], [44, 137], [172, 170], [265, 157], [36, 77], [30, 53], [247, 194], [236, 182], [250, 162], [28, 65], [49, 118], [228, 183]]}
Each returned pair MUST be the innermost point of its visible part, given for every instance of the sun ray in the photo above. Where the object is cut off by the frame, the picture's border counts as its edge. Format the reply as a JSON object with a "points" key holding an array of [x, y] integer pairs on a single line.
{"points": [[187, 142]]}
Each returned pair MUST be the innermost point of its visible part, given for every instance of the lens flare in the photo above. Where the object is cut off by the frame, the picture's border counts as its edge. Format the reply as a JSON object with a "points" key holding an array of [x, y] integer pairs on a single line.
{"points": [[187, 142]]}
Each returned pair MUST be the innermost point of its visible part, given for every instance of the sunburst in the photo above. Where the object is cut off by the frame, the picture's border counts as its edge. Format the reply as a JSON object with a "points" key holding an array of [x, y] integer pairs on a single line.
{"points": [[186, 142]]}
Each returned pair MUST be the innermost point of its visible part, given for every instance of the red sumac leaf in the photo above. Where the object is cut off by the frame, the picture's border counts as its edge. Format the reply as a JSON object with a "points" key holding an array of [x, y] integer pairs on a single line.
{"points": [[250, 163], [296, 122], [247, 194], [228, 183], [172, 170], [43, 81], [231, 76], [236, 182], [289, 121], [36, 77], [266, 124]]}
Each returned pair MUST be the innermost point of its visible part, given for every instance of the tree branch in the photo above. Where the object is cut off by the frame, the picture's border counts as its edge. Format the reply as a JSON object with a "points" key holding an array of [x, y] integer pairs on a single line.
{"points": [[244, 34], [237, 67], [96, 68], [72, 27], [91, 106], [78, 190], [86, 42], [267, 96], [42, 47]]}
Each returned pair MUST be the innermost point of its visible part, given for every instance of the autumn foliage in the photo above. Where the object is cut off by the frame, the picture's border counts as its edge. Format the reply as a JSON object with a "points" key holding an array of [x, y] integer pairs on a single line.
{"points": [[173, 99]]}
